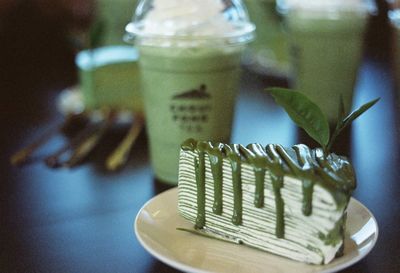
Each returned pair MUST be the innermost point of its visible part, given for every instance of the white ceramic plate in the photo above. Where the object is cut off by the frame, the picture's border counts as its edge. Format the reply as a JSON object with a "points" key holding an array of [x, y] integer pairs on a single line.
{"points": [[155, 228]]}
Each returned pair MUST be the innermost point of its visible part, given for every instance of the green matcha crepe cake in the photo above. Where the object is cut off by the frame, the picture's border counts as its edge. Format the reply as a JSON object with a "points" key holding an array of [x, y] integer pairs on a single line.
{"points": [[288, 201]]}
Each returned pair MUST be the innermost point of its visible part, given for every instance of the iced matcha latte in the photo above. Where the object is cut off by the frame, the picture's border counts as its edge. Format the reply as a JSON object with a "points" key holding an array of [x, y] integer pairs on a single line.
{"points": [[326, 39], [189, 63]]}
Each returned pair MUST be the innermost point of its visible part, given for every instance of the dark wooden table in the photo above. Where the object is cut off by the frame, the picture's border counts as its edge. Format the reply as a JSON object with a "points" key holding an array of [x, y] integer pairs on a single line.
{"points": [[81, 219]]}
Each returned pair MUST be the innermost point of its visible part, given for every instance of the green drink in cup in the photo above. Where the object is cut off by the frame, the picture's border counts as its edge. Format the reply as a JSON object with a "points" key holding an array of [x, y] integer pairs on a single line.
{"points": [[326, 40], [189, 65]]}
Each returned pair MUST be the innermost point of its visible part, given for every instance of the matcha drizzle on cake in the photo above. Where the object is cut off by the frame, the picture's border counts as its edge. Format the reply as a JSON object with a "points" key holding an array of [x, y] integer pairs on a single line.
{"points": [[200, 170], [334, 173], [256, 156], [215, 158], [234, 158]]}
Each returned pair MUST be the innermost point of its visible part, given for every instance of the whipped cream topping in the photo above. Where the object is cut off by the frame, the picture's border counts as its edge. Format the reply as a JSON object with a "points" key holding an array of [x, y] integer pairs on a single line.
{"points": [[187, 17], [190, 23]]}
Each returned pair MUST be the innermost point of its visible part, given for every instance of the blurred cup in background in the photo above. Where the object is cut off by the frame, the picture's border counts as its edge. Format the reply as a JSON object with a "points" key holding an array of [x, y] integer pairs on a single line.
{"points": [[326, 42], [268, 54], [107, 66], [108, 77]]}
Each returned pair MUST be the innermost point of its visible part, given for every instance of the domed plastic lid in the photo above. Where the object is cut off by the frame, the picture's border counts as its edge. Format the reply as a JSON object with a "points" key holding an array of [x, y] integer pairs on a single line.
{"points": [[190, 23], [322, 8]]}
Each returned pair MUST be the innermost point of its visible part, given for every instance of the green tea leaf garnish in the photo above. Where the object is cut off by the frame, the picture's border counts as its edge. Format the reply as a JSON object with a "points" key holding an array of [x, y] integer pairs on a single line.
{"points": [[341, 111], [356, 113], [306, 114], [346, 121]]}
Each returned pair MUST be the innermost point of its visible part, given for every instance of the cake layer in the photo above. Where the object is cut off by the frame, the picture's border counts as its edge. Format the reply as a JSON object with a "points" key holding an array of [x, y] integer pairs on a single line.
{"points": [[290, 202]]}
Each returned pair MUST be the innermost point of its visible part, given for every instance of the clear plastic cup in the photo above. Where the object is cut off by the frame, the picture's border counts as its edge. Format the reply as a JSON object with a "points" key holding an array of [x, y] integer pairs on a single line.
{"points": [[326, 40], [189, 64], [269, 53], [108, 77]]}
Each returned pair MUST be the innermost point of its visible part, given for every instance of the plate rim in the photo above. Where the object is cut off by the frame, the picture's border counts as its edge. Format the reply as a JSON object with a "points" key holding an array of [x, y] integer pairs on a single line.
{"points": [[172, 263], [187, 268]]}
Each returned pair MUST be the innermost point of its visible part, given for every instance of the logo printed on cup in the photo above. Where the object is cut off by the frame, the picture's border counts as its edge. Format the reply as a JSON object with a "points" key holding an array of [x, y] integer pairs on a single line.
{"points": [[190, 109]]}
